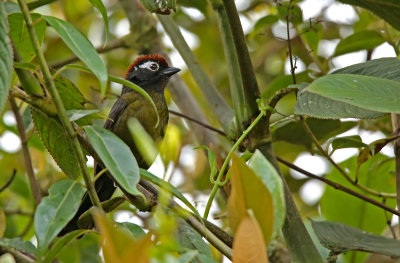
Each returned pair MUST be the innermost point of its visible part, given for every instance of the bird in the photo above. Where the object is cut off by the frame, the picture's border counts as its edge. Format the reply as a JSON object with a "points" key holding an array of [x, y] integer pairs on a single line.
{"points": [[151, 73]]}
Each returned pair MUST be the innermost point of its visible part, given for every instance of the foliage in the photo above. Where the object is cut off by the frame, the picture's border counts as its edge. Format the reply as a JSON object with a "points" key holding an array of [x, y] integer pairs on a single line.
{"points": [[249, 99]]}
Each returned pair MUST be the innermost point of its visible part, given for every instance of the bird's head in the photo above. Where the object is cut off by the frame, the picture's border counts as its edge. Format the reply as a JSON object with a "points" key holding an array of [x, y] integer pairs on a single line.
{"points": [[150, 72]]}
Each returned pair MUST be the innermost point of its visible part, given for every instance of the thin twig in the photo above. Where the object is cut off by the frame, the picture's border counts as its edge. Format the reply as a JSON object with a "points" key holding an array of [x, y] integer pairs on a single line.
{"points": [[35, 187], [339, 187], [9, 181], [340, 169], [17, 212], [292, 66], [198, 122]]}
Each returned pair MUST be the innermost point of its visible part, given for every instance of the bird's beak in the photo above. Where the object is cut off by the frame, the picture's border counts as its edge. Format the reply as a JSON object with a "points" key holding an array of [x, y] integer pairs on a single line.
{"points": [[170, 71]]}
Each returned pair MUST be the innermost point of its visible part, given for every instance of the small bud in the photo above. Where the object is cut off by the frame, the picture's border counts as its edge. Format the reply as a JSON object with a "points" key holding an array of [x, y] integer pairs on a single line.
{"points": [[162, 7]]}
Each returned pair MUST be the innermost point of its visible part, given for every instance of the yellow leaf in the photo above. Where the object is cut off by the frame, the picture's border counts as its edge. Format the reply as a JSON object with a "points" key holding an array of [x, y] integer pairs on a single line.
{"points": [[249, 246], [249, 192], [170, 147], [119, 246], [2, 223]]}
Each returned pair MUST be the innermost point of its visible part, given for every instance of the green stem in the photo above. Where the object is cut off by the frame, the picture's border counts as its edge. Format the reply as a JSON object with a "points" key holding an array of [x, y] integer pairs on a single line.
{"points": [[221, 109], [59, 104], [218, 182], [249, 81]]}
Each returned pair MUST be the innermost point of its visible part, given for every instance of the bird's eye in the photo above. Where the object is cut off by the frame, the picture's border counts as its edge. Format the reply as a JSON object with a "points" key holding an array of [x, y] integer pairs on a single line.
{"points": [[154, 66]]}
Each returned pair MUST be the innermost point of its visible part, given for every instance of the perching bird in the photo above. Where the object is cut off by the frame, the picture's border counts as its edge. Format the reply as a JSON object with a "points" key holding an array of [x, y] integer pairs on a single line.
{"points": [[151, 73]]}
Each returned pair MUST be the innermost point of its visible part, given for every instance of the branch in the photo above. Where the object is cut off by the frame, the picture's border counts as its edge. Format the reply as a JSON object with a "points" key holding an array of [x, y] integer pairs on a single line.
{"points": [[249, 81], [232, 63], [205, 125], [396, 131], [292, 66], [340, 187], [59, 104], [27, 156]]}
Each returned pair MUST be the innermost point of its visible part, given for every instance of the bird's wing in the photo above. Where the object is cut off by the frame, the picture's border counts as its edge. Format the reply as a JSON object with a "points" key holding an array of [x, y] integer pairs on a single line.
{"points": [[116, 110]]}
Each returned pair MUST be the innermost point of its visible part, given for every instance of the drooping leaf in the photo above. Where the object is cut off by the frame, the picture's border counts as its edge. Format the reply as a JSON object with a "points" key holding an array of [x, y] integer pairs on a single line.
{"points": [[249, 193], [388, 10], [55, 211], [119, 246], [18, 244], [116, 156], [366, 39], [54, 137], [71, 96], [143, 141], [270, 177], [248, 245], [212, 160], [342, 238], [103, 11], [170, 147], [81, 47], [20, 35], [370, 93], [6, 57]]}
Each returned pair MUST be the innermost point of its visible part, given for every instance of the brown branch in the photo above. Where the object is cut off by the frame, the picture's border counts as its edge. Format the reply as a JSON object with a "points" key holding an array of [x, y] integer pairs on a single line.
{"points": [[27, 156], [205, 125], [9, 181], [339, 187]]}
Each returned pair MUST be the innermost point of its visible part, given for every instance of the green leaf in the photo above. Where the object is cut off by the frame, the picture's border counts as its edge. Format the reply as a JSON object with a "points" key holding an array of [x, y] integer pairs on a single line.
{"points": [[249, 193], [61, 243], [353, 141], [71, 96], [103, 11], [188, 257], [116, 156], [55, 211], [84, 250], [169, 188], [18, 244], [6, 58], [20, 35], [366, 39], [317, 106], [188, 238], [132, 228], [387, 68], [270, 177], [341, 238], [388, 10], [341, 207], [81, 47], [370, 93], [55, 139], [212, 160], [74, 115]]}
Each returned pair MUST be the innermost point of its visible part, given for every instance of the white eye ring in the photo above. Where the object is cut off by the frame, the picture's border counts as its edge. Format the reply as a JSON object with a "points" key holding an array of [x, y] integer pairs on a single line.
{"points": [[151, 65]]}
